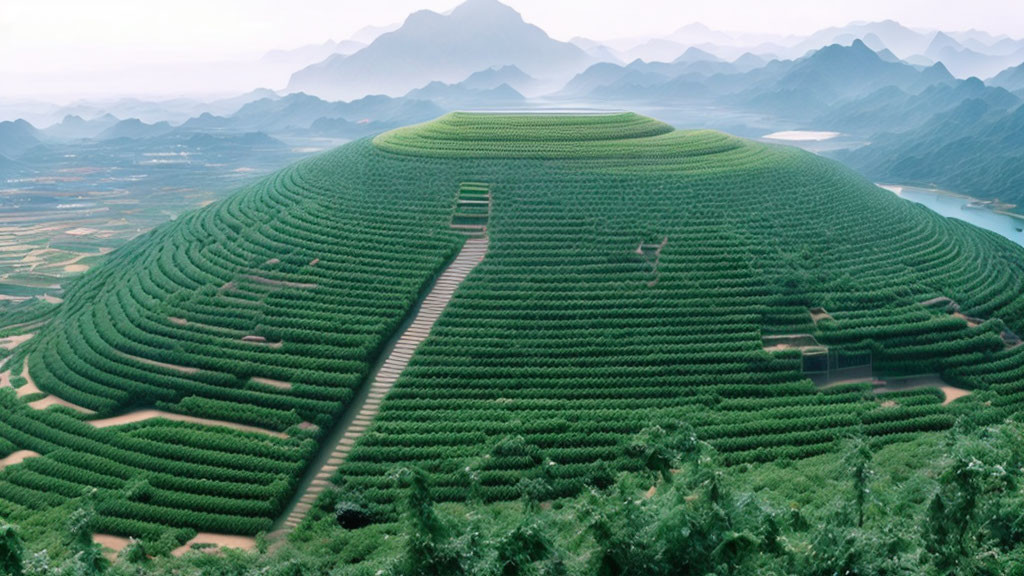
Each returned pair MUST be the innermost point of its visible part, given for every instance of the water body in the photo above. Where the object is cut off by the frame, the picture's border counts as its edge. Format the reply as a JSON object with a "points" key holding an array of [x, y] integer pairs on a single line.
{"points": [[801, 136], [953, 206]]}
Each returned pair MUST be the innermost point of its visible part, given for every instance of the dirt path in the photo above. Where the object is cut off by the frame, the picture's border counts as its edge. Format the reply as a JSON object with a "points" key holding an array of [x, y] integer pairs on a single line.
{"points": [[220, 540], [940, 300], [279, 384], [17, 458], [182, 369], [364, 407], [112, 545], [50, 400], [143, 415], [261, 341], [12, 342], [25, 325], [925, 381]]}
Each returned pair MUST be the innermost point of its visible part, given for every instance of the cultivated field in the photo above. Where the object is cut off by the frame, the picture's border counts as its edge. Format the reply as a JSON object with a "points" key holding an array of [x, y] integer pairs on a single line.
{"points": [[631, 277]]}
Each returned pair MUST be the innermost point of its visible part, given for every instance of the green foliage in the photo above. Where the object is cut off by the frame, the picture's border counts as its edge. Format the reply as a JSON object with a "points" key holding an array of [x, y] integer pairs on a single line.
{"points": [[632, 274], [12, 550], [857, 459]]}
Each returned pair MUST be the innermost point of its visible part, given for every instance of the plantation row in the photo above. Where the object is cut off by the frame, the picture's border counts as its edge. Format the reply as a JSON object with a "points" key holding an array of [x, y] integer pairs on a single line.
{"points": [[632, 272], [296, 281], [563, 339], [613, 136]]}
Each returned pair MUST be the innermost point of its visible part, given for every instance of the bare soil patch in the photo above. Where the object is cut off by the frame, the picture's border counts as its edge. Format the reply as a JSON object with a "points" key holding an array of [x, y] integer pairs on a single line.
{"points": [[25, 325], [177, 321], [17, 458], [12, 342], [50, 400], [30, 384], [941, 301], [971, 321], [279, 384], [14, 298], [219, 540], [260, 340], [112, 545], [925, 381]]}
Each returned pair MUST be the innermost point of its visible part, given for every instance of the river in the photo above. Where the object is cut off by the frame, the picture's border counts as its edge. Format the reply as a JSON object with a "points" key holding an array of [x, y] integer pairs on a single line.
{"points": [[952, 206]]}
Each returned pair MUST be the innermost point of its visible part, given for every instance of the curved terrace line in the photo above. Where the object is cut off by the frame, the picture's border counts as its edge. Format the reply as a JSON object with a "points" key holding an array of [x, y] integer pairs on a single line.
{"points": [[392, 362]]}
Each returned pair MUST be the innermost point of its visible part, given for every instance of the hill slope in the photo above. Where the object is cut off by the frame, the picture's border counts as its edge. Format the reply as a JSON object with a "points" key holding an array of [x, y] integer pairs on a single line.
{"points": [[16, 137], [974, 149], [632, 274]]}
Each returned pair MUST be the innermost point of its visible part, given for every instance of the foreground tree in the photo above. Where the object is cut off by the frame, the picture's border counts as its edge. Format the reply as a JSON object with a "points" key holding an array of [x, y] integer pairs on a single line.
{"points": [[857, 459], [12, 551]]}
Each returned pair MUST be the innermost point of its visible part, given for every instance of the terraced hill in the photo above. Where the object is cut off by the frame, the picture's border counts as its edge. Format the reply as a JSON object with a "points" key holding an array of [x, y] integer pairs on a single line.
{"points": [[634, 275]]}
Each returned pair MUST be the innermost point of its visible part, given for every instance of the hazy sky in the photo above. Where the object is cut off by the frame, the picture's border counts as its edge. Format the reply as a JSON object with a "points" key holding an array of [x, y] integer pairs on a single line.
{"points": [[40, 40]]}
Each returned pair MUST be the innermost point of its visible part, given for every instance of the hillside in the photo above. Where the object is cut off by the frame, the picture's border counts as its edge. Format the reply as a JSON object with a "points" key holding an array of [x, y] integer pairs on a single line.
{"points": [[134, 128], [973, 149], [892, 110], [831, 75], [16, 137], [1012, 79], [429, 47], [636, 276]]}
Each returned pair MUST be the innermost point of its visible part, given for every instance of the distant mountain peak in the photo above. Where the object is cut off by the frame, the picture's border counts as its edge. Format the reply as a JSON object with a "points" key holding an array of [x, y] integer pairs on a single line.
{"points": [[694, 54], [973, 82], [859, 44], [484, 6], [937, 73], [887, 55], [942, 41], [447, 47]]}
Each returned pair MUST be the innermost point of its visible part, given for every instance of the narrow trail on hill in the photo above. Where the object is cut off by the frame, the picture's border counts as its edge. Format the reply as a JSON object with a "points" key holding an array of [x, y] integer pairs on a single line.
{"points": [[366, 403]]}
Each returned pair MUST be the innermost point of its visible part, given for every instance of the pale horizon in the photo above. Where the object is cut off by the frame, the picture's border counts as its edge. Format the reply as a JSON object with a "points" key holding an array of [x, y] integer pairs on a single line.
{"points": [[63, 51]]}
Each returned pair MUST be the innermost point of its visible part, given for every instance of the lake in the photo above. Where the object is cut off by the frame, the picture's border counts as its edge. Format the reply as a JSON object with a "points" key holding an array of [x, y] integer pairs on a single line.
{"points": [[952, 206], [801, 136]]}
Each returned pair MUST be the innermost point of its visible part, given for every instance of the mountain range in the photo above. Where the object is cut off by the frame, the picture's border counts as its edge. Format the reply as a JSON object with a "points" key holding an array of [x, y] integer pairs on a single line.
{"points": [[894, 90], [446, 48], [975, 148], [17, 137]]}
